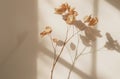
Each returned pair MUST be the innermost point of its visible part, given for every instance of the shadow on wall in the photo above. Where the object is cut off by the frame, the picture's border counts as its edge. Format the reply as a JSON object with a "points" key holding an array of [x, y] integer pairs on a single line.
{"points": [[115, 3], [94, 48], [18, 39], [64, 63]]}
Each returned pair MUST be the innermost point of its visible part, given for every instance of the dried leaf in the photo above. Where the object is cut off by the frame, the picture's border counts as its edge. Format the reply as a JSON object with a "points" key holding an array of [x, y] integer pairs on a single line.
{"points": [[55, 40], [60, 43], [85, 40], [46, 31], [72, 46]]}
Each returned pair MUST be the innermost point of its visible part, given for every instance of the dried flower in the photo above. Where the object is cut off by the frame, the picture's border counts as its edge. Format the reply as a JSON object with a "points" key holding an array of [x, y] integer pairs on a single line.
{"points": [[87, 18], [47, 31], [72, 11], [69, 14], [69, 19], [92, 21], [62, 8]]}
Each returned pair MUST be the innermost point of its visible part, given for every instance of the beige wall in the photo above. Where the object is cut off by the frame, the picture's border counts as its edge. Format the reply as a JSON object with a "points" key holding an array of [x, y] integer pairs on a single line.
{"points": [[18, 39], [24, 55]]}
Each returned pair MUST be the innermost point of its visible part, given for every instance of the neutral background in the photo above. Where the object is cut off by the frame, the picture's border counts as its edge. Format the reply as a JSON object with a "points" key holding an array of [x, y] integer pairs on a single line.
{"points": [[24, 55]]}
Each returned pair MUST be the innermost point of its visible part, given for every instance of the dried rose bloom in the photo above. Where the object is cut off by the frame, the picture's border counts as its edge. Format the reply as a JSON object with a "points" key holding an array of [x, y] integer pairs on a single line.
{"points": [[92, 21], [46, 31], [111, 44]]}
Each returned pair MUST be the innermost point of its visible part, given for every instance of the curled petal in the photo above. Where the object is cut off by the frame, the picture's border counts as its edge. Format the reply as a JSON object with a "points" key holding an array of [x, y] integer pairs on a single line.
{"points": [[62, 8], [87, 18], [72, 12], [48, 29], [93, 21]]}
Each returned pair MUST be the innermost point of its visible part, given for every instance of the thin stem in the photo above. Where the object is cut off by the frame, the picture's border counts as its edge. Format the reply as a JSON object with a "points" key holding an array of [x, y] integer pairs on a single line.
{"points": [[71, 68], [72, 36], [54, 48], [57, 58], [70, 54], [81, 52], [54, 64], [73, 63]]}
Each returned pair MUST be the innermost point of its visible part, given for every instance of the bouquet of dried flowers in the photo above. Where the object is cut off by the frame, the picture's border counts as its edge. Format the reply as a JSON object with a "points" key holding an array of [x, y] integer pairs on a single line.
{"points": [[85, 30]]}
